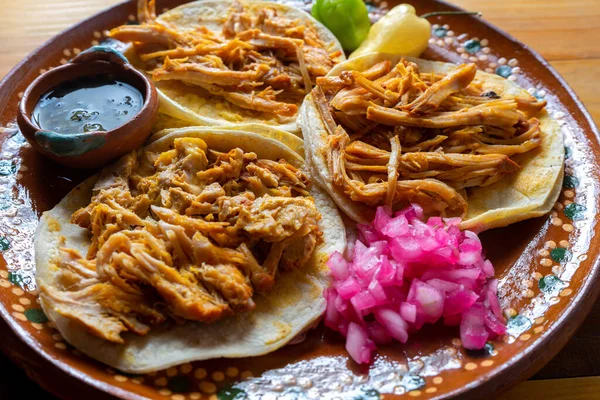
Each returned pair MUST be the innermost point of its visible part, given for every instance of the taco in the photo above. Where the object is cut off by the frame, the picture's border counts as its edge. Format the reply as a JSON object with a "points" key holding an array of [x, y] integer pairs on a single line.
{"points": [[207, 243], [219, 62], [385, 130], [288, 139]]}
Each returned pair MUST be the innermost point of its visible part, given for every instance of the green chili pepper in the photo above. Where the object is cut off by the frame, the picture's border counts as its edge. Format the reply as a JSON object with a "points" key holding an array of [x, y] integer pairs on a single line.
{"points": [[348, 20]]}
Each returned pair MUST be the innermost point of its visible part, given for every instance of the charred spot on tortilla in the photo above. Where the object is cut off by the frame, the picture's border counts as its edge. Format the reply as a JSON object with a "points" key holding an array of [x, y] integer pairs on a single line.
{"points": [[490, 94]]}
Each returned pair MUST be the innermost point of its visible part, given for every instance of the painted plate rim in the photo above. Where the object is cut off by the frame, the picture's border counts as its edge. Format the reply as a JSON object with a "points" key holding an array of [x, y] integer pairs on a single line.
{"points": [[527, 363]]}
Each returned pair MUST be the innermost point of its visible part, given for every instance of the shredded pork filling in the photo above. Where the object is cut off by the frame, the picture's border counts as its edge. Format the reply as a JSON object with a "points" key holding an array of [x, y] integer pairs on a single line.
{"points": [[396, 135], [186, 234], [260, 61]]}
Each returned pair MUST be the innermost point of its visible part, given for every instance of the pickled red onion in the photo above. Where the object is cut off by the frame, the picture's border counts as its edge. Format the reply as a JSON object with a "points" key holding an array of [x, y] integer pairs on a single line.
{"points": [[405, 273]]}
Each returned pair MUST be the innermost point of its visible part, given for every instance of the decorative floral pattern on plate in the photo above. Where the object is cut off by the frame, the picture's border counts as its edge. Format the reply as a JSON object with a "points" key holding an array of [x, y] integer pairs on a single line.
{"points": [[544, 276]]}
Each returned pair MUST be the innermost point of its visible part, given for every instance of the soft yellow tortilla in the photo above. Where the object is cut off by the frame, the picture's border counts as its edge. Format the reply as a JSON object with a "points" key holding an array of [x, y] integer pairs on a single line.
{"points": [[194, 104], [531, 192], [294, 305], [288, 139]]}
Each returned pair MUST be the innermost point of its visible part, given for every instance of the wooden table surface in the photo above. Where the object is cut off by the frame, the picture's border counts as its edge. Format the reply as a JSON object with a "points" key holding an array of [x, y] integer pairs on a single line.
{"points": [[565, 32]]}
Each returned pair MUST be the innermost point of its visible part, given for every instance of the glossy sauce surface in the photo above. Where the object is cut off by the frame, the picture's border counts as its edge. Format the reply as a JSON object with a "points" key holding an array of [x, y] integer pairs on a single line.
{"points": [[87, 105]]}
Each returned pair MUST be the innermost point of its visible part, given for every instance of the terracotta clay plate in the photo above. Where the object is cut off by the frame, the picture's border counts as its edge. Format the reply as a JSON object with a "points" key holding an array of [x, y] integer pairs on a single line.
{"points": [[548, 267]]}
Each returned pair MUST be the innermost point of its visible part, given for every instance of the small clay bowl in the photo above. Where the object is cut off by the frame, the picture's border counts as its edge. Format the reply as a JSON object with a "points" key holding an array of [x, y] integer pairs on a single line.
{"points": [[93, 149]]}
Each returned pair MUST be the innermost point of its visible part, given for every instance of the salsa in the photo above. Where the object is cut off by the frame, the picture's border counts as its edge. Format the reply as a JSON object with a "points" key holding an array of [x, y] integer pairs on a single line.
{"points": [[88, 105]]}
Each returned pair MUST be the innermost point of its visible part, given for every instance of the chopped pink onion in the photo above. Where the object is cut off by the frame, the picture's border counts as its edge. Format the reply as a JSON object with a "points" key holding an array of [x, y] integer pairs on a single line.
{"points": [[395, 294], [358, 344], [470, 275], [377, 291], [338, 266], [452, 221], [413, 211], [435, 222], [393, 324], [443, 285], [359, 249], [429, 300], [378, 333], [495, 324], [491, 298], [387, 274], [473, 337], [473, 333], [406, 272], [382, 218], [458, 301], [487, 268], [332, 315], [408, 312], [396, 226], [363, 301], [367, 233], [348, 288], [405, 249]]}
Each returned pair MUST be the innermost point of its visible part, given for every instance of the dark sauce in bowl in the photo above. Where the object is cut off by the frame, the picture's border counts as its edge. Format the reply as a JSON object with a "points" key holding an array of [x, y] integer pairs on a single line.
{"points": [[87, 105]]}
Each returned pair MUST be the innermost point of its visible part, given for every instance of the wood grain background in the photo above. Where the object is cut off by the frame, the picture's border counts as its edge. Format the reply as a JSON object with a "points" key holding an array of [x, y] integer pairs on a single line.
{"points": [[565, 32]]}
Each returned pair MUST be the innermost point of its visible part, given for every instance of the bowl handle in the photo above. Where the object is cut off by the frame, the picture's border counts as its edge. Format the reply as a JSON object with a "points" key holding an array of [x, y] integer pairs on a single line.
{"points": [[100, 53], [71, 144]]}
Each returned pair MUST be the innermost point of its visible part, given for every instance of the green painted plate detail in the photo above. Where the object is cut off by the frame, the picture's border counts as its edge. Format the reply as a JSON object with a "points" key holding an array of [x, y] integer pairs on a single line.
{"points": [[16, 279], [368, 394], [550, 283], [231, 393], [560, 254], [570, 182], [472, 46], [36, 315], [568, 152], [4, 243], [7, 168], [517, 325], [575, 211]]}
